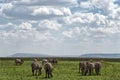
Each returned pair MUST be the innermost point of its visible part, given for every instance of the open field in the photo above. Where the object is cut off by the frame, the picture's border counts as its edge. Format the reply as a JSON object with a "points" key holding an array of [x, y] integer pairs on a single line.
{"points": [[65, 70]]}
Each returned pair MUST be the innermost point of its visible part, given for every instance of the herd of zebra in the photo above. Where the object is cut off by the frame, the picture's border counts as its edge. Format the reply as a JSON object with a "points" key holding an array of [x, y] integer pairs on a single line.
{"points": [[37, 67], [86, 67]]}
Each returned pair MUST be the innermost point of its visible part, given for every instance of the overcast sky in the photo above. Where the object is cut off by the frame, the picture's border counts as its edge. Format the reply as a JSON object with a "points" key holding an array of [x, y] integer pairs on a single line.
{"points": [[71, 27]]}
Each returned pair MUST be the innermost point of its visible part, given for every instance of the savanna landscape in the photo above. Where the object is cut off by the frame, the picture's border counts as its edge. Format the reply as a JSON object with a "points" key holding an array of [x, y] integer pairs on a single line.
{"points": [[65, 69], [83, 35]]}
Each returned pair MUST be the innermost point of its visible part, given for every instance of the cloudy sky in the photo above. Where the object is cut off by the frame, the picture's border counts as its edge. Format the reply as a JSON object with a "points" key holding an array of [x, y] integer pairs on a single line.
{"points": [[59, 27]]}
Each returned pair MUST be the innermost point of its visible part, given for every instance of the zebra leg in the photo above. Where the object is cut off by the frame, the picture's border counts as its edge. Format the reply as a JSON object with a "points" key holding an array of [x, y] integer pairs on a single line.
{"points": [[33, 72], [40, 72]]}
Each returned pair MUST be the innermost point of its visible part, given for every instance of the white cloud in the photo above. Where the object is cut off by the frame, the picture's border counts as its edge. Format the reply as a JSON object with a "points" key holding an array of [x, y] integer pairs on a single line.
{"points": [[23, 32], [37, 9], [85, 18], [109, 30], [51, 11], [46, 36], [107, 6], [47, 11], [85, 4], [91, 26], [4, 7], [115, 14], [35, 13], [71, 32], [66, 11], [25, 26], [68, 33], [50, 24]]}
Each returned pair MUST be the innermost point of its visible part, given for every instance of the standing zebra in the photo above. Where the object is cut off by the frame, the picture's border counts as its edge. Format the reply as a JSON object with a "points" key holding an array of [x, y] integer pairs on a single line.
{"points": [[48, 69], [36, 67], [19, 61]]}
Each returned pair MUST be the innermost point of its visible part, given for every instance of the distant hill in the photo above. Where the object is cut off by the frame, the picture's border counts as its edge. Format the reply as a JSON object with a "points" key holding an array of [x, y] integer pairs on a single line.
{"points": [[29, 55], [99, 55], [90, 55]]}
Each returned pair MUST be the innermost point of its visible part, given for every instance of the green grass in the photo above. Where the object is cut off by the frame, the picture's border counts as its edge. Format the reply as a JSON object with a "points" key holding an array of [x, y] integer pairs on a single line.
{"points": [[64, 70]]}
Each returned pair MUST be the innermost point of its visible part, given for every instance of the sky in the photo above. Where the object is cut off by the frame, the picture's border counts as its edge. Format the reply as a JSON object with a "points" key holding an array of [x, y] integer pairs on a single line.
{"points": [[59, 27]]}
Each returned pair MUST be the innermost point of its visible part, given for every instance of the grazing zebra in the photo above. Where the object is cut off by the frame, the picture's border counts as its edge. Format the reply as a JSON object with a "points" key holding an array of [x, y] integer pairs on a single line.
{"points": [[48, 69], [44, 61], [36, 67], [97, 67], [83, 67], [19, 61]]}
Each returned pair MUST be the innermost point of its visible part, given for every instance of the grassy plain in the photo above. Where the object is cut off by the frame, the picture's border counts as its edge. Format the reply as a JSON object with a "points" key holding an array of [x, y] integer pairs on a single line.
{"points": [[64, 70]]}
